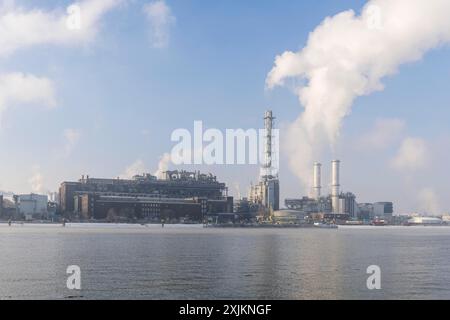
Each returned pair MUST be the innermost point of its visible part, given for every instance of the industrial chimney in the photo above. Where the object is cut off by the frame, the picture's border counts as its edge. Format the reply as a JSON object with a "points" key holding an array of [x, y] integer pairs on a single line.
{"points": [[317, 180], [268, 126], [335, 186]]}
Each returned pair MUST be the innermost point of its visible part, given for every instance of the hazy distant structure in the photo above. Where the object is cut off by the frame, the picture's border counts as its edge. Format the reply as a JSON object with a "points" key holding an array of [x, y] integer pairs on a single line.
{"points": [[53, 197], [31, 205], [266, 192], [369, 211], [425, 221], [317, 180], [383, 209], [335, 186], [310, 205], [347, 204]]}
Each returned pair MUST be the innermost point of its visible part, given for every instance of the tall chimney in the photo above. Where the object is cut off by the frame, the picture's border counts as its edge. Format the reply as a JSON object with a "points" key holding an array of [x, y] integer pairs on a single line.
{"points": [[317, 180], [335, 186], [268, 126]]}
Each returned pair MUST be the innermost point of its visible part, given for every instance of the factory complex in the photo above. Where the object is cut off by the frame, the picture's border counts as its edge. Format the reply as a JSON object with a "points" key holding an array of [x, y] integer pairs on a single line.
{"points": [[180, 196], [337, 207]]}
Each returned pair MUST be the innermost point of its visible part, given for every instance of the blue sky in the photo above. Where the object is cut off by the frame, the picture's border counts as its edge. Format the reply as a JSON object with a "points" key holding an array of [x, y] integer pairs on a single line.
{"points": [[123, 97]]}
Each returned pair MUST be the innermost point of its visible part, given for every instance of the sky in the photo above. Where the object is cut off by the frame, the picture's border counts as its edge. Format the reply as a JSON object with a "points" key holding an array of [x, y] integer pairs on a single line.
{"points": [[104, 99]]}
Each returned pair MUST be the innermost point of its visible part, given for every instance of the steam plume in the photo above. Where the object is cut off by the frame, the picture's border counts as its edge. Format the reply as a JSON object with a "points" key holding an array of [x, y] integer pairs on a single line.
{"points": [[429, 202], [163, 165], [347, 56]]}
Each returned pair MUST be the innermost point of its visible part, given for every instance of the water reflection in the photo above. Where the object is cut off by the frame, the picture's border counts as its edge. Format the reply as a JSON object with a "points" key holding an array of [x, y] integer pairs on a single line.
{"points": [[196, 263]]}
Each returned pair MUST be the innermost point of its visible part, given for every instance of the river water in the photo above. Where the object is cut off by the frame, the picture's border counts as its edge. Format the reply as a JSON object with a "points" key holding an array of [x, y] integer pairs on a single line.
{"points": [[191, 262]]}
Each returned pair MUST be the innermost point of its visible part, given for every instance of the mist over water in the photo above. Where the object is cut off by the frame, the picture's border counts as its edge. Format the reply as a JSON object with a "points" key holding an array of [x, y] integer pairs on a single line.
{"points": [[190, 262]]}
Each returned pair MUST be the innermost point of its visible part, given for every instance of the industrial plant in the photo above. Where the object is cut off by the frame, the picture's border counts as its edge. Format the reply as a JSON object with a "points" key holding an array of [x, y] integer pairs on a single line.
{"points": [[337, 206], [266, 193], [180, 196]]}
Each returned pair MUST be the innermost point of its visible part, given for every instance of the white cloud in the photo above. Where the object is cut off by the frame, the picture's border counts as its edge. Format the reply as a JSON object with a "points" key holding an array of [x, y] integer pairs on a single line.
{"points": [[136, 168], [412, 155], [18, 88], [384, 133], [23, 28], [161, 20], [71, 138], [347, 56], [429, 202]]}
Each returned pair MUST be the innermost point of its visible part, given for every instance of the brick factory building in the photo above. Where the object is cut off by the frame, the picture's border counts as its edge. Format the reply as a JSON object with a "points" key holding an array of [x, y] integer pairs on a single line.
{"points": [[180, 195]]}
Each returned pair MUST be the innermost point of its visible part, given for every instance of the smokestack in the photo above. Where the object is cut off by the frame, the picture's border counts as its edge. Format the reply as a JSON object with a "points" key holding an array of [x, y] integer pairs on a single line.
{"points": [[268, 126], [317, 180], [335, 185]]}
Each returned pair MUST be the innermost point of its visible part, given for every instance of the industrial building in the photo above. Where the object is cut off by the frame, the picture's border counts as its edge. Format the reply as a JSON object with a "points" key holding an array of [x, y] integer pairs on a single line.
{"points": [[8, 209], [179, 195], [370, 211], [309, 205], [383, 209], [31, 206], [290, 216], [266, 193], [337, 205]]}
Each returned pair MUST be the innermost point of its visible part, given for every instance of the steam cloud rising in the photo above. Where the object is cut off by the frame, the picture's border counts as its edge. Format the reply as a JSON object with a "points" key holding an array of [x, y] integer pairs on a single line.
{"points": [[163, 165], [347, 56]]}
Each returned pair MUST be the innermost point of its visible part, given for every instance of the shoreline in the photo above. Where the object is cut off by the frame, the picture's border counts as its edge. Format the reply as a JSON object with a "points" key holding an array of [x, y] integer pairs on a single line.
{"points": [[198, 225]]}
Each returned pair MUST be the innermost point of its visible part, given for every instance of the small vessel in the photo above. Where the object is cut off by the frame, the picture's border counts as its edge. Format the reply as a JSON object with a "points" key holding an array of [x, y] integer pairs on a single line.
{"points": [[379, 222], [325, 225]]}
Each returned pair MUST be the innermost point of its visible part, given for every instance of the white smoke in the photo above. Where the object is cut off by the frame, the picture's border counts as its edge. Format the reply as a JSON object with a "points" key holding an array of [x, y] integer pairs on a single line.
{"points": [[37, 181], [385, 132], [412, 155], [161, 20], [237, 188], [71, 138], [136, 168], [163, 165], [429, 202], [347, 56]]}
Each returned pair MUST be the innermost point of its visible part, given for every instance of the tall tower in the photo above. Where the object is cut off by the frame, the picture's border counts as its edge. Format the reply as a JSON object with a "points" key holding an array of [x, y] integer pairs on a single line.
{"points": [[317, 180], [335, 186], [268, 170], [269, 182]]}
